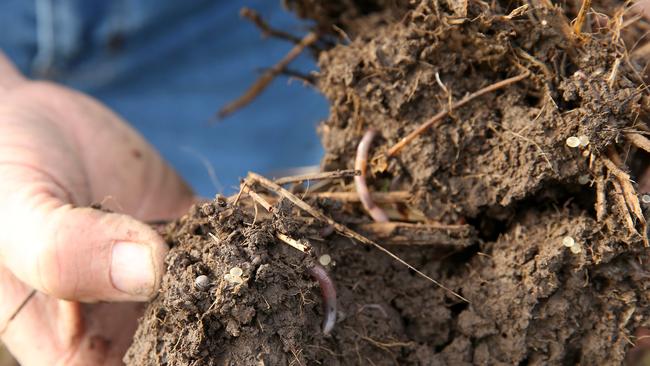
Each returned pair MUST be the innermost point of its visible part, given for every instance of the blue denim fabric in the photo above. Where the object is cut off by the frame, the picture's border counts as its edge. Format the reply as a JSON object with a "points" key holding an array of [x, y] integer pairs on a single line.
{"points": [[167, 66]]}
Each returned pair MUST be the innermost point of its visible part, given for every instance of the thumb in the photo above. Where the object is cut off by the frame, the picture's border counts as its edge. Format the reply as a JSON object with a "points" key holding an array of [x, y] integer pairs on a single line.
{"points": [[9, 75], [78, 253]]}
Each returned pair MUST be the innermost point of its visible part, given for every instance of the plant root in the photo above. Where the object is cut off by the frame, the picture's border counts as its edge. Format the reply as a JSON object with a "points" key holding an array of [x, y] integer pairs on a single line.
{"points": [[625, 191], [338, 174]]}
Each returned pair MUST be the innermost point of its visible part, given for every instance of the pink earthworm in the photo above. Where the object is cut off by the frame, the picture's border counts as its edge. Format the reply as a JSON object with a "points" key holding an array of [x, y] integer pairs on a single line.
{"points": [[329, 296], [360, 164]]}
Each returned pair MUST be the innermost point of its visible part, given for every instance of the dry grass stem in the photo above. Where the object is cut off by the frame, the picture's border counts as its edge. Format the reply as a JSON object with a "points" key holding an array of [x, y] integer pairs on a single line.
{"points": [[432, 234], [293, 242], [341, 229], [268, 76], [442, 114], [639, 141], [318, 176], [622, 206], [612, 75], [627, 193], [268, 207], [259, 199], [377, 197], [582, 15]]}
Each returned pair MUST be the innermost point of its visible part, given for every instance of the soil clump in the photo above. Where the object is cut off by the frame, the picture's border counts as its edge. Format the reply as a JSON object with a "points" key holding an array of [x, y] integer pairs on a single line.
{"points": [[527, 201]]}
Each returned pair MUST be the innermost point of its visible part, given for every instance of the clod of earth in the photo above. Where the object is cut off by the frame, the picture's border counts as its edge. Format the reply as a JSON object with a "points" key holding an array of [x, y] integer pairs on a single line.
{"points": [[510, 161]]}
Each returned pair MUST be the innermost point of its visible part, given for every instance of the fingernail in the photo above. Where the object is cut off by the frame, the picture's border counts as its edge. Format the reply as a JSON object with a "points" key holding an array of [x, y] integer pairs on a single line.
{"points": [[132, 269]]}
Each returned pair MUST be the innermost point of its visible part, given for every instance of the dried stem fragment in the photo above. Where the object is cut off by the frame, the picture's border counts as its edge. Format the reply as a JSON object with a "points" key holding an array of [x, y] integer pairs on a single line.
{"points": [[639, 141], [582, 15], [433, 234], [318, 176], [258, 199], [627, 193], [293, 242], [361, 164], [377, 197], [296, 244], [622, 206]]}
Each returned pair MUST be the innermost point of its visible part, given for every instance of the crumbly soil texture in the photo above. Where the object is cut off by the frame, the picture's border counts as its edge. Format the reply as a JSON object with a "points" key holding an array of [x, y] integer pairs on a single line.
{"points": [[526, 203]]}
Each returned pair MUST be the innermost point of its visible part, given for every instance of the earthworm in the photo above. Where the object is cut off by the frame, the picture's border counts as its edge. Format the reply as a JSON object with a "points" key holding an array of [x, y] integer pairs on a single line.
{"points": [[329, 296], [360, 164]]}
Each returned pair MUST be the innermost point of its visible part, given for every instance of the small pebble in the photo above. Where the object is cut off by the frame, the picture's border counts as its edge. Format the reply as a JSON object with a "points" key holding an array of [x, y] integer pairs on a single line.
{"points": [[202, 282], [324, 259], [645, 198], [584, 140], [568, 241], [573, 142], [583, 179], [544, 23]]}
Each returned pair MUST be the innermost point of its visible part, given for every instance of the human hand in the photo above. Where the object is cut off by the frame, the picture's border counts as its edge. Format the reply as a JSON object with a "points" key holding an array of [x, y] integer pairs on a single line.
{"points": [[61, 151]]}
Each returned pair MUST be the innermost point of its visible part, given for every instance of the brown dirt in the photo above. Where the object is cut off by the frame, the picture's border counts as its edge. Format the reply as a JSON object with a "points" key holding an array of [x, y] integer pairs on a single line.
{"points": [[499, 168]]}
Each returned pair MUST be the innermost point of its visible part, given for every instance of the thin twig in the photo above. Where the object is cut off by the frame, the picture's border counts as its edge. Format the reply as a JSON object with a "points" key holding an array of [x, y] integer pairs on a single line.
{"points": [[582, 15], [619, 198], [293, 242], [257, 198], [639, 141], [17, 311], [318, 176], [241, 190], [342, 229], [612, 162], [268, 76], [433, 234], [377, 197], [438, 117], [361, 164], [266, 29]]}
